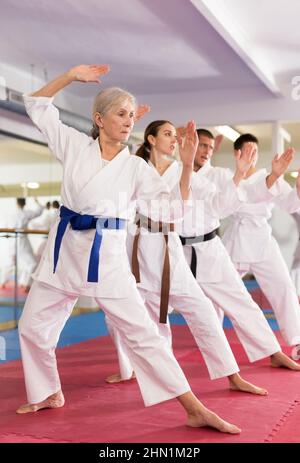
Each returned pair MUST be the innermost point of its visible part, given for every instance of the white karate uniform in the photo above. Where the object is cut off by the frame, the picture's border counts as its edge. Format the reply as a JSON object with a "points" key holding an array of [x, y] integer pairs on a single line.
{"points": [[215, 272], [110, 191], [295, 270], [26, 259], [7, 253], [252, 248], [45, 222], [186, 296]]}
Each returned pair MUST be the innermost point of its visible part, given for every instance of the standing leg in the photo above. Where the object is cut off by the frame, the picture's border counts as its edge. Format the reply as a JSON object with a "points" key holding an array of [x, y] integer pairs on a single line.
{"points": [[125, 367], [158, 374], [209, 336], [7, 260], [44, 315], [215, 350], [203, 322], [204, 325], [279, 359], [247, 318], [152, 302], [149, 353], [220, 313], [27, 261], [274, 279]]}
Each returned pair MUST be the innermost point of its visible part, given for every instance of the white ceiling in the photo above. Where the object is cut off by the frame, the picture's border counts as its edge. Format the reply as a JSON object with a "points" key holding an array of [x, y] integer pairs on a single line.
{"points": [[273, 29], [219, 62], [153, 46]]}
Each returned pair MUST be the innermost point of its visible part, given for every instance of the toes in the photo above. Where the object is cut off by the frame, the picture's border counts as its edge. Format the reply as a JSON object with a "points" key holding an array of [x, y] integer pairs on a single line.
{"points": [[234, 430], [27, 408]]}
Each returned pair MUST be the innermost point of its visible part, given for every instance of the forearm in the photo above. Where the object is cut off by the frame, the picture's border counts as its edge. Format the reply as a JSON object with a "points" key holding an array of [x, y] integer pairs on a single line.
{"points": [[238, 176], [185, 181], [55, 85], [271, 179]]}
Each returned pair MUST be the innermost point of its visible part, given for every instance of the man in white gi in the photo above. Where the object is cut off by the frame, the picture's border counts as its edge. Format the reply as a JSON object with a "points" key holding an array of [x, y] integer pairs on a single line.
{"points": [[26, 259], [45, 222], [250, 244]]}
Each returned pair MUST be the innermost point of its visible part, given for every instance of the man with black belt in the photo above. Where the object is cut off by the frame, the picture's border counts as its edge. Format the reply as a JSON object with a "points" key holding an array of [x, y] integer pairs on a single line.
{"points": [[211, 264]]}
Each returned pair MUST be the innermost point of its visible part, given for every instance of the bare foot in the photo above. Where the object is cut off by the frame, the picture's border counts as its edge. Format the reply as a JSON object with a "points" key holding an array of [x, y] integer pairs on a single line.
{"points": [[280, 360], [295, 353], [117, 378], [209, 419], [237, 383], [53, 401]]}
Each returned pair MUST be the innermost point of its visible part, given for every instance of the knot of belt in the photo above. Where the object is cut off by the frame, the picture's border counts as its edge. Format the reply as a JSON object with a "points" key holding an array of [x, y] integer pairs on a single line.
{"points": [[85, 222], [190, 240], [155, 227]]}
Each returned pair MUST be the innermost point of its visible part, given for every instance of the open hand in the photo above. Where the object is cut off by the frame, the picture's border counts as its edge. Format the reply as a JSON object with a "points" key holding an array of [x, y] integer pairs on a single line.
{"points": [[281, 163], [188, 148], [89, 72], [218, 142], [140, 111], [245, 158]]}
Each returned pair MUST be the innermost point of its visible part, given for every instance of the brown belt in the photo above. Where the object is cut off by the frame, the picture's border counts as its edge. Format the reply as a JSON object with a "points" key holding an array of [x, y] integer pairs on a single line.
{"points": [[155, 227]]}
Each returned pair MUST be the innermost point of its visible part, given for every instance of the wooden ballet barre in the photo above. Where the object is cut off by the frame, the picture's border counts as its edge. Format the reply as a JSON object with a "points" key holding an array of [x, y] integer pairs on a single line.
{"points": [[24, 231]]}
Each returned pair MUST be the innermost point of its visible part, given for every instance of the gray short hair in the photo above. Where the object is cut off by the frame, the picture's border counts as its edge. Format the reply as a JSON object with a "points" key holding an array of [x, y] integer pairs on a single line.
{"points": [[108, 99]]}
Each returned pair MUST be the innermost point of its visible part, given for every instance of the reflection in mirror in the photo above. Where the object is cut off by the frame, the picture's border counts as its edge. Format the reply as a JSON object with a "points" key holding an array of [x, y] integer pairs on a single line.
{"points": [[29, 186]]}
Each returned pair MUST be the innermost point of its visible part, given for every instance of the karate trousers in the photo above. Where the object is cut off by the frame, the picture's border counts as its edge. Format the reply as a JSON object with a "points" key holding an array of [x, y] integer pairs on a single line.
{"points": [[274, 279], [203, 322], [45, 313]]}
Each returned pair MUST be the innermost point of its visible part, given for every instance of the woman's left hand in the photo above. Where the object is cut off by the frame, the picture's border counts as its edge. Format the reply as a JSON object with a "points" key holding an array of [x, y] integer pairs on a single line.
{"points": [[141, 110], [188, 148]]}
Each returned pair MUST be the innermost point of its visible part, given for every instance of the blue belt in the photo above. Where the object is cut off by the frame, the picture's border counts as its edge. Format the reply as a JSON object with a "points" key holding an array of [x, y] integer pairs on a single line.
{"points": [[85, 222]]}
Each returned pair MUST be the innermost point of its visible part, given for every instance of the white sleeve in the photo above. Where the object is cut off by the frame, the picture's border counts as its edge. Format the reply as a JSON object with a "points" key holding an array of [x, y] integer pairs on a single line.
{"points": [[60, 138], [258, 191], [288, 198], [252, 191], [216, 202], [32, 214]]}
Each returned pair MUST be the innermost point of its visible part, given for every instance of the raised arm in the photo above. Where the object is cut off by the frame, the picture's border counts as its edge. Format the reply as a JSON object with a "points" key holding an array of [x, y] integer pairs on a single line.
{"points": [[261, 188], [81, 73], [187, 151], [61, 139], [280, 165], [244, 161]]}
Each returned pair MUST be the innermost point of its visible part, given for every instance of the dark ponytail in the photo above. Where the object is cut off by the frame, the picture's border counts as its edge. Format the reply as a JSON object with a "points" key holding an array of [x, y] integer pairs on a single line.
{"points": [[152, 129], [144, 151], [95, 131]]}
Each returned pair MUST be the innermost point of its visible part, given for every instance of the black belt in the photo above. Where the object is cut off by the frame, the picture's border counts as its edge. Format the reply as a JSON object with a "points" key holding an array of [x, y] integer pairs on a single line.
{"points": [[190, 240]]}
